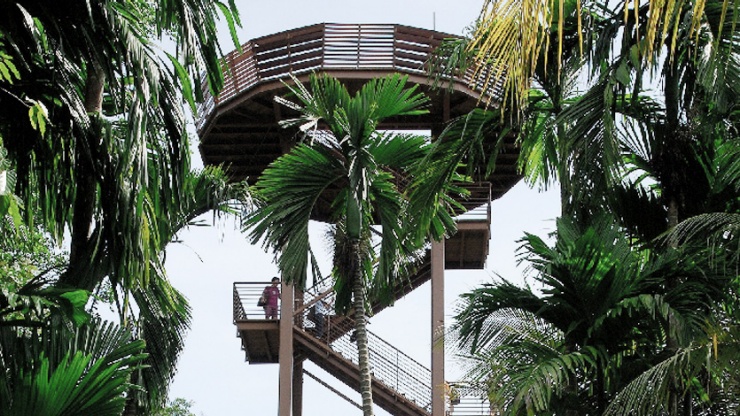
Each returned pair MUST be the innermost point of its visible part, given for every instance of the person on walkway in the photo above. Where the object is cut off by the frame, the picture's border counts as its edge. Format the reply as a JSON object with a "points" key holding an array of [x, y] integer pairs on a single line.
{"points": [[321, 310], [272, 294]]}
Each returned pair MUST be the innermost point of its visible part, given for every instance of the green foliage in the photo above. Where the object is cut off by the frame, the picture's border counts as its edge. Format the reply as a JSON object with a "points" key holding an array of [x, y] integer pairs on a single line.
{"points": [[38, 115], [27, 252], [354, 158], [8, 71], [9, 203], [648, 141], [600, 318], [176, 407], [57, 372], [114, 177]]}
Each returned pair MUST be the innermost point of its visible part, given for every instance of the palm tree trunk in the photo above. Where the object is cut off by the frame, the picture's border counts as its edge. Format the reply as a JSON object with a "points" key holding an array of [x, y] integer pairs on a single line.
{"points": [[677, 405], [672, 92], [601, 401], [363, 353], [571, 386], [85, 187], [131, 408]]}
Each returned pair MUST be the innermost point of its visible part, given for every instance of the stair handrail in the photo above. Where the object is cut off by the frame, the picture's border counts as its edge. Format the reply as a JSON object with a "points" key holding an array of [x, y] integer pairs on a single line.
{"points": [[390, 366]]}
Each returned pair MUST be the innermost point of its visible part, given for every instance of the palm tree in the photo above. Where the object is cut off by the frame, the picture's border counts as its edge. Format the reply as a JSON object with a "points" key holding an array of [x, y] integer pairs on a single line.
{"points": [[105, 154], [601, 319], [660, 134], [156, 312], [535, 344], [362, 171], [55, 360], [510, 36], [159, 313], [656, 160], [94, 69]]}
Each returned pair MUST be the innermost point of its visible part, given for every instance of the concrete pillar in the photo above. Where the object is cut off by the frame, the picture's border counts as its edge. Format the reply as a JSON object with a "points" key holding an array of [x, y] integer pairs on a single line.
{"points": [[285, 353], [438, 325]]}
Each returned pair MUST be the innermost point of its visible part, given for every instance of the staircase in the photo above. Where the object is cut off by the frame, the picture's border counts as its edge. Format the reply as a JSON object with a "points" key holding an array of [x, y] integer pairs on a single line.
{"points": [[401, 385]]}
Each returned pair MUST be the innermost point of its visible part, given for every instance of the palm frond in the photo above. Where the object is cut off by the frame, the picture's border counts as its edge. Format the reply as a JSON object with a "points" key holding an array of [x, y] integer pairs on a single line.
{"points": [[60, 372], [472, 319], [287, 192], [716, 229], [648, 393], [165, 317]]}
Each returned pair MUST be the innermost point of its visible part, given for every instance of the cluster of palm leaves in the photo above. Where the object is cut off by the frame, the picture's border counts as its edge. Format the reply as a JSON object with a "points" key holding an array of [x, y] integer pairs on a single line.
{"points": [[95, 149], [631, 107]]}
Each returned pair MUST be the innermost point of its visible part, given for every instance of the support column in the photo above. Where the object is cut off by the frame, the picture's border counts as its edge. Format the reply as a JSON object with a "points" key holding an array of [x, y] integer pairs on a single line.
{"points": [[298, 365], [438, 325], [285, 352], [298, 388]]}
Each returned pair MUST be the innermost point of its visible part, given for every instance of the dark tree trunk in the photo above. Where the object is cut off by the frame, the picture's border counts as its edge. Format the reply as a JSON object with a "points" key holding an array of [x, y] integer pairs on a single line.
{"points": [[363, 353], [667, 176], [78, 273]]}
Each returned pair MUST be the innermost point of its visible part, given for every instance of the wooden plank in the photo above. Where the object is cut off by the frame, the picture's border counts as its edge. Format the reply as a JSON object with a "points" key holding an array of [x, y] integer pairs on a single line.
{"points": [[287, 39], [417, 38], [257, 325], [293, 49], [412, 56], [340, 28], [424, 48], [241, 140], [288, 34], [287, 59], [285, 69], [231, 138]]}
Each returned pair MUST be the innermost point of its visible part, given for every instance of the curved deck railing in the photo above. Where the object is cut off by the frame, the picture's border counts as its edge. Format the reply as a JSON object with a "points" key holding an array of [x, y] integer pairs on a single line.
{"points": [[327, 47]]}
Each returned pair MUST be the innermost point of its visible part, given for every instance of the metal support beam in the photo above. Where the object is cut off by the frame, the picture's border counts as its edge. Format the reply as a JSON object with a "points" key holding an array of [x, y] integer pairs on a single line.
{"points": [[286, 350], [438, 325]]}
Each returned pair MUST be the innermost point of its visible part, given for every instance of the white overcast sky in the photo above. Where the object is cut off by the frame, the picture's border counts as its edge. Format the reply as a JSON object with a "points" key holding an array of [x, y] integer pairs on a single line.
{"points": [[212, 371]]}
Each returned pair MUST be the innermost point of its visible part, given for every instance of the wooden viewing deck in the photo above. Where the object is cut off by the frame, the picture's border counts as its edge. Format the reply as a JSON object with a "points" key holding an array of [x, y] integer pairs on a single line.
{"points": [[239, 128]]}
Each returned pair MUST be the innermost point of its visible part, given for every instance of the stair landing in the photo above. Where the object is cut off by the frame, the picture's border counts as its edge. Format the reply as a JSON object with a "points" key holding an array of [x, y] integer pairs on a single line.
{"points": [[260, 340]]}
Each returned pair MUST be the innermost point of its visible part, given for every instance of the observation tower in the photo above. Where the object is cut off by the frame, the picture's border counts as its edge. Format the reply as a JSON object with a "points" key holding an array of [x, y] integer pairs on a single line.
{"points": [[239, 128]]}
